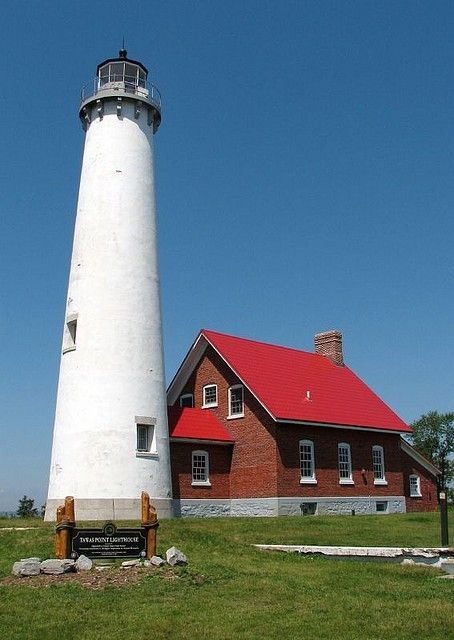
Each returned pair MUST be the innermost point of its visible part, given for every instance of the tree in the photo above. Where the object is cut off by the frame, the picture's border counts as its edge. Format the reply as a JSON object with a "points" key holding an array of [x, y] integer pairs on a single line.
{"points": [[433, 435], [26, 508]]}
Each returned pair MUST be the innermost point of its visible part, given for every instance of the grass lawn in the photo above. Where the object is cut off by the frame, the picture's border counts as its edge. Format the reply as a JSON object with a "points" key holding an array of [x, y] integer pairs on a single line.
{"points": [[231, 590]]}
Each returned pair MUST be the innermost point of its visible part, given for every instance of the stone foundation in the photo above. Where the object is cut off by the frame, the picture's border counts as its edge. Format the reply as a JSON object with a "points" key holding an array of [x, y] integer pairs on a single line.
{"points": [[287, 506], [108, 508]]}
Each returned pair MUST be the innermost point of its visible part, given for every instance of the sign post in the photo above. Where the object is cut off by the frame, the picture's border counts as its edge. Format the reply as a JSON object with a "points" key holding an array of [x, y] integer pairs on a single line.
{"points": [[108, 541], [444, 519]]}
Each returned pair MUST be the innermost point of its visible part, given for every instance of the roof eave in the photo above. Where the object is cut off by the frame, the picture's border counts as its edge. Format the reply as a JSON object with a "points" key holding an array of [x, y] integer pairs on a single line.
{"points": [[201, 440], [311, 423], [422, 460]]}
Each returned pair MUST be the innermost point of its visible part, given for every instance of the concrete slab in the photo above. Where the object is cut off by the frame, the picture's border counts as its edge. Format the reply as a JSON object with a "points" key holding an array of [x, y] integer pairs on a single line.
{"points": [[439, 557]]}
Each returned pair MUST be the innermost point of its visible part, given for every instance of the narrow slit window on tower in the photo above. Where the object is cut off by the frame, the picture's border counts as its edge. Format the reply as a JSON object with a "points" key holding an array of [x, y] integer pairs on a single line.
{"points": [[70, 334]]}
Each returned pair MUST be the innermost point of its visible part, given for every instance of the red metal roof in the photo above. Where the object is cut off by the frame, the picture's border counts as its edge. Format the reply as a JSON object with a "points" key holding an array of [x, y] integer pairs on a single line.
{"points": [[196, 424], [280, 378]]}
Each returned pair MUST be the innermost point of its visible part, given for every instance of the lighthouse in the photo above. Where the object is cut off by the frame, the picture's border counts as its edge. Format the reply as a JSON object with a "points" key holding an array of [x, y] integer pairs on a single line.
{"points": [[110, 439]]}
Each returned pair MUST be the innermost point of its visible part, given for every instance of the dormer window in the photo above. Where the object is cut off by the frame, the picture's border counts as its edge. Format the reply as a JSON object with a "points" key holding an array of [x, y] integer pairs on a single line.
{"points": [[210, 396]]}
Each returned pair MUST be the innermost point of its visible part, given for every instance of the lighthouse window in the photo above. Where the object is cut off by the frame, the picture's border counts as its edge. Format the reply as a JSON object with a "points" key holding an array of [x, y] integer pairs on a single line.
{"points": [[116, 72], [143, 437], [69, 337]]}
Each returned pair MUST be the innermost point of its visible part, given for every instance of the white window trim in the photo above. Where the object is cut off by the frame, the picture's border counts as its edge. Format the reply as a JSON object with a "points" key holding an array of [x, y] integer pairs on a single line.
{"points": [[207, 405], [348, 480], [187, 395], [379, 481], [232, 416], [308, 479], [418, 487], [201, 483]]}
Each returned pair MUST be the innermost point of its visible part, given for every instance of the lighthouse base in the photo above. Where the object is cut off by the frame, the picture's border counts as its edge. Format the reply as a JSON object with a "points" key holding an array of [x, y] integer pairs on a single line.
{"points": [[108, 508]]}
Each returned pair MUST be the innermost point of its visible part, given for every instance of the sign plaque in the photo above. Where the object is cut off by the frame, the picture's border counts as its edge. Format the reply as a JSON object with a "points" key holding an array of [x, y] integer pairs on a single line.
{"points": [[109, 542]]}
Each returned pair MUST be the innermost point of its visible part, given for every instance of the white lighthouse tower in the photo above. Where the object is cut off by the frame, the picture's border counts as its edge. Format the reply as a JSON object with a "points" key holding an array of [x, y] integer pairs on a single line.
{"points": [[110, 436]]}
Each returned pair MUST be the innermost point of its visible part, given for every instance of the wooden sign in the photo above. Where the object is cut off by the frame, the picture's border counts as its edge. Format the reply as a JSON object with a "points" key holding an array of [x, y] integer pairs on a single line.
{"points": [[108, 542]]}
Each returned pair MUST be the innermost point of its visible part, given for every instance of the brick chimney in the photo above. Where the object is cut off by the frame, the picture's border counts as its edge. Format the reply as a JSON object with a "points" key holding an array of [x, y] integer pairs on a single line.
{"points": [[329, 344]]}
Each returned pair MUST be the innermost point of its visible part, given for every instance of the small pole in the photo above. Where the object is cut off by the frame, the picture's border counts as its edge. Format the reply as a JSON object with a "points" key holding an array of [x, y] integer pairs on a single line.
{"points": [[444, 519], [65, 524]]}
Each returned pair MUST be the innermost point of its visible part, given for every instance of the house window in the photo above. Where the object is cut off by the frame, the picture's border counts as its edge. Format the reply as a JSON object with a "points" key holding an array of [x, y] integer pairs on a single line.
{"points": [[415, 486], [187, 400], [381, 506], [210, 395], [308, 508], [144, 437], [200, 472], [378, 463], [236, 403], [345, 463], [307, 462]]}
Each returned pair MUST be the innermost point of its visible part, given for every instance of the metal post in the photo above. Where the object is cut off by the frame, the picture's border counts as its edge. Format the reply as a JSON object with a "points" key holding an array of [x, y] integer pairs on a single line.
{"points": [[444, 519]]}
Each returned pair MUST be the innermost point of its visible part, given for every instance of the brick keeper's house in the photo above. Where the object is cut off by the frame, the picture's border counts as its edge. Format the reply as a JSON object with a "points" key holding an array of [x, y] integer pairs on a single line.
{"points": [[260, 429]]}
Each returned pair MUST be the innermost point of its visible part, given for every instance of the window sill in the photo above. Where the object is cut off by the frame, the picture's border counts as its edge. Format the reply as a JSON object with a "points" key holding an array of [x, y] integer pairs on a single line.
{"points": [[415, 495], [381, 483], [308, 481], [237, 415], [209, 406], [147, 454], [207, 483], [346, 481], [67, 349]]}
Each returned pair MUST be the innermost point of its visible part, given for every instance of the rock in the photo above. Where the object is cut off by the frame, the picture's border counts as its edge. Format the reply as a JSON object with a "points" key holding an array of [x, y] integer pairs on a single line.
{"points": [[175, 556], [130, 563], [54, 566], [27, 567], [156, 561], [33, 558], [83, 563]]}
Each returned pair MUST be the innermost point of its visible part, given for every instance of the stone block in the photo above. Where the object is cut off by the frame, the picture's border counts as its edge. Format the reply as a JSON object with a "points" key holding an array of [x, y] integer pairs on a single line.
{"points": [[27, 567], [54, 566], [83, 563], [131, 563], [175, 556]]}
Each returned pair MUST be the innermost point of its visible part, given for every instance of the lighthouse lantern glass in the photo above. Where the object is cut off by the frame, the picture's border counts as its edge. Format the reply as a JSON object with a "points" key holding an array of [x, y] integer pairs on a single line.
{"points": [[130, 74]]}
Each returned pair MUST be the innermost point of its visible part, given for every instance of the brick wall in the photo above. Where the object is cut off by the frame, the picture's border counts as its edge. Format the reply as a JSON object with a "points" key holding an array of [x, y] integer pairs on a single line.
{"points": [[253, 466], [429, 495], [325, 441], [219, 470]]}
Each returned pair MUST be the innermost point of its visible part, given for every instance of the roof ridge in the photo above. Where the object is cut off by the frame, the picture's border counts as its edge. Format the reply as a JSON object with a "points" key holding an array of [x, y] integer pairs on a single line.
{"points": [[252, 340]]}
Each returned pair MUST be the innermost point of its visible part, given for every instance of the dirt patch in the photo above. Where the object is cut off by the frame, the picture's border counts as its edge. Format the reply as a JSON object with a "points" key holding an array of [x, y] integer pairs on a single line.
{"points": [[94, 579]]}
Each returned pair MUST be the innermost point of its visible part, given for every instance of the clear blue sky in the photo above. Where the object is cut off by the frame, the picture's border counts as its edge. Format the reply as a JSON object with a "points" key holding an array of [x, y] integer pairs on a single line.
{"points": [[305, 182]]}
